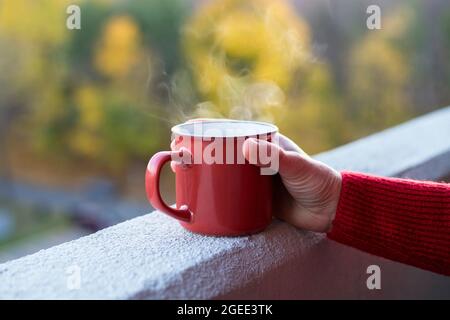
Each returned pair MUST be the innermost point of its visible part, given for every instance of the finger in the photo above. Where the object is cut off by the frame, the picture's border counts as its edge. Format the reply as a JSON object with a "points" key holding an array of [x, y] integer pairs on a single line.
{"points": [[173, 165], [253, 150], [181, 157], [291, 163], [173, 147], [289, 145]]}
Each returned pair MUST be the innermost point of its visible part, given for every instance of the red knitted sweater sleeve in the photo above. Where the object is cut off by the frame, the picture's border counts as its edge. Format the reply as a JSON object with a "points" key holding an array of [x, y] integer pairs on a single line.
{"points": [[403, 220]]}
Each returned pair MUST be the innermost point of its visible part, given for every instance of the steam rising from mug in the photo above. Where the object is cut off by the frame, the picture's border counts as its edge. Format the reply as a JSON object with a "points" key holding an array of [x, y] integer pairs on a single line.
{"points": [[242, 60], [256, 101]]}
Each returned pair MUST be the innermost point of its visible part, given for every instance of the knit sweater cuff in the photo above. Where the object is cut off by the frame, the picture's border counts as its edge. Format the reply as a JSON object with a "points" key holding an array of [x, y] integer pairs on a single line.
{"points": [[403, 220]]}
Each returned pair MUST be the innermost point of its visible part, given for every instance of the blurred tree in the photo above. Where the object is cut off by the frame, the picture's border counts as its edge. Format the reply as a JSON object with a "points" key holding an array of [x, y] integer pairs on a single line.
{"points": [[81, 45], [232, 43], [84, 94], [161, 22], [427, 46], [31, 33], [379, 75], [118, 51]]}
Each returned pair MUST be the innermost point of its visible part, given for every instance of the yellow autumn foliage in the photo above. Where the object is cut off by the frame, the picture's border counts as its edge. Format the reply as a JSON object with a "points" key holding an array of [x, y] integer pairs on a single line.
{"points": [[85, 144], [85, 138], [89, 106], [41, 22], [119, 48], [234, 44]]}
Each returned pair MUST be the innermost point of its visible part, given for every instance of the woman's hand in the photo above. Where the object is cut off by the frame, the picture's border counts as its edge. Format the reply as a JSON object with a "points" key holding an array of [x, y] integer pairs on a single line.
{"points": [[306, 191]]}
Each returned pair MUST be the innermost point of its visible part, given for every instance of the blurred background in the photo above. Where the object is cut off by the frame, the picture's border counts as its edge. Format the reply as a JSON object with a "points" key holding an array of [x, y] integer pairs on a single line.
{"points": [[82, 111]]}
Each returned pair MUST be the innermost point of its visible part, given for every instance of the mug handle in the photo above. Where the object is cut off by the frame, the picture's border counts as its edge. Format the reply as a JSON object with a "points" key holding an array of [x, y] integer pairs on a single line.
{"points": [[152, 175]]}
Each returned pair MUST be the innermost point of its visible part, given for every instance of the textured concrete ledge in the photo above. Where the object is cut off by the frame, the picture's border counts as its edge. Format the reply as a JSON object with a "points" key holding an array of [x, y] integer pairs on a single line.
{"points": [[153, 257]]}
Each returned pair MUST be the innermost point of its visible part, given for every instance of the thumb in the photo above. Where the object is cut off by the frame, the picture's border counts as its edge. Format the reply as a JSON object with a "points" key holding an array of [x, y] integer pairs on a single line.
{"points": [[290, 163]]}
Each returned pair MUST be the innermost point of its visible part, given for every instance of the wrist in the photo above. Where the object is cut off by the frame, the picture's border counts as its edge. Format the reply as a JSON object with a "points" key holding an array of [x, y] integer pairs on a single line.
{"points": [[336, 194]]}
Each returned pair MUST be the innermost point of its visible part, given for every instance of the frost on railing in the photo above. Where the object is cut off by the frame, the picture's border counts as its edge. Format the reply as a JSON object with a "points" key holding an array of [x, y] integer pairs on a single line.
{"points": [[153, 257]]}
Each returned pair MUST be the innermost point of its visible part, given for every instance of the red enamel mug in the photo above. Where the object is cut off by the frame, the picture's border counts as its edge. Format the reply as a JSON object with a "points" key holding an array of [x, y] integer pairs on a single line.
{"points": [[218, 192]]}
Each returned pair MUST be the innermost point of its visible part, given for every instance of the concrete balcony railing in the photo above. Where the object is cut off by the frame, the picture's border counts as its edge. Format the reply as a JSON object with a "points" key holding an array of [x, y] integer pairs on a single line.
{"points": [[152, 257]]}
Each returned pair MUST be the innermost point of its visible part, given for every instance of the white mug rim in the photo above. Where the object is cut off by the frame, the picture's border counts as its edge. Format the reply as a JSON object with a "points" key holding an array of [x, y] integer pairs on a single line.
{"points": [[271, 128]]}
